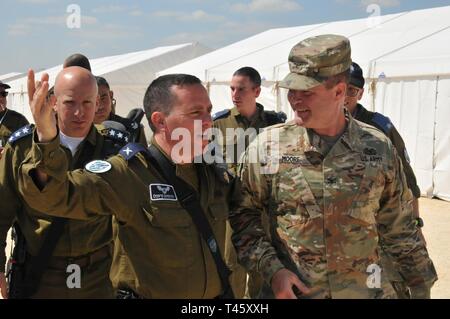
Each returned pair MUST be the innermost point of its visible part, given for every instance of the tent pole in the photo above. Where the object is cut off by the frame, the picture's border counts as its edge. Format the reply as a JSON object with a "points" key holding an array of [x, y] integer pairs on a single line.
{"points": [[431, 193]]}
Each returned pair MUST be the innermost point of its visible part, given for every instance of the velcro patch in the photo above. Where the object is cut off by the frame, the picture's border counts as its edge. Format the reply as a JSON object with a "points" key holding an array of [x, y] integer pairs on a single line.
{"points": [[164, 192]]}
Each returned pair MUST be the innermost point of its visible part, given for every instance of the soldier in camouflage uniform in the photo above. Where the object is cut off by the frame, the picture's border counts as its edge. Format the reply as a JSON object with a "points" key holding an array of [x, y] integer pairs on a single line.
{"points": [[334, 192], [247, 113], [355, 93]]}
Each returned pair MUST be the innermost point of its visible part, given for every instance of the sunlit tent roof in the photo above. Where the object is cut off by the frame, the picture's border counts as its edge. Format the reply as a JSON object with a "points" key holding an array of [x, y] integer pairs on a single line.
{"points": [[128, 74], [405, 58]]}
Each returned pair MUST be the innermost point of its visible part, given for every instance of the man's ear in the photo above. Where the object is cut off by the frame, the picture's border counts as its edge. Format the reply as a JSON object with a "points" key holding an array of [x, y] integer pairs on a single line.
{"points": [[158, 120], [257, 91], [341, 90]]}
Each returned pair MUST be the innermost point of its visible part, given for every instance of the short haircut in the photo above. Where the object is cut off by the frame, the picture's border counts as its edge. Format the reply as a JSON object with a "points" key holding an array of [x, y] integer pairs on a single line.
{"points": [[251, 73], [159, 96], [334, 80], [77, 59], [101, 81]]}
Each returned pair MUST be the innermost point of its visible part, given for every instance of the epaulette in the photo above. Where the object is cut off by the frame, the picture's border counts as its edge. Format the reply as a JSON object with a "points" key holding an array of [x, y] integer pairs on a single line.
{"points": [[20, 133], [221, 114], [273, 117], [382, 121], [116, 135], [130, 150]]}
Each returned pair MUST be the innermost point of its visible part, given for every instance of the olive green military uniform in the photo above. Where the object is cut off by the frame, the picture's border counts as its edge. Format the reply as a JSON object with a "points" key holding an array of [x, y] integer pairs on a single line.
{"points": [[85, 243], [232, 119], [165, 256], [10, 121], [384, 124], [330, 207]]}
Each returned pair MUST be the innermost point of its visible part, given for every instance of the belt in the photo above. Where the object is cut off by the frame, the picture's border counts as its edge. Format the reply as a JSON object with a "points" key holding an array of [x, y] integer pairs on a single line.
{"points": [[82, 261]]}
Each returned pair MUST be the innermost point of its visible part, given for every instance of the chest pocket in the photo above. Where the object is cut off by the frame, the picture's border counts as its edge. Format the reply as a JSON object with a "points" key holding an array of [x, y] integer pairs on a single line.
{"points": [[293, 195], [367, 203], [171, 234]]}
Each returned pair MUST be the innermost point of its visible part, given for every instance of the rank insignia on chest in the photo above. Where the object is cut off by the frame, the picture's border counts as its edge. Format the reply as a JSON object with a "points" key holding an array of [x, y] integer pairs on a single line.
{"points": [[162, 192]]}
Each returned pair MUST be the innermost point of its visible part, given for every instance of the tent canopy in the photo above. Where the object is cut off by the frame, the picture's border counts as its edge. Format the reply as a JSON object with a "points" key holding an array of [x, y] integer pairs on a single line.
{"points": [[406, 61], [128, 74]]}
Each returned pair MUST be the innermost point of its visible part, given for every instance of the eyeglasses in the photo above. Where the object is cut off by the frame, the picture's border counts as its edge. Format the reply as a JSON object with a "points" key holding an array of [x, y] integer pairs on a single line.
{"points": [[352, 91], [4, 94]]}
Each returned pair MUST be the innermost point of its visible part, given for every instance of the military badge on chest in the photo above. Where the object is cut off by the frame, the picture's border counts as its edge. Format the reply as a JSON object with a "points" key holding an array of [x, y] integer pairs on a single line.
{"points": [[370, 154], [162, 192]]}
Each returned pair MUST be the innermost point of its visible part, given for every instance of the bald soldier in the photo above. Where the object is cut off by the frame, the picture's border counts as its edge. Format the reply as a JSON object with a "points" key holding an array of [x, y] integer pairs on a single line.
{"points": [[171, 209], [333, 190], [86, 244]]}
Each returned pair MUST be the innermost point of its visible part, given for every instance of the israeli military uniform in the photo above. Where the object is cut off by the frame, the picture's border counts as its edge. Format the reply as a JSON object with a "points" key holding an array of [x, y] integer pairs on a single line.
{"points": [[232, 119], [165, 256], [135, 129], [10, 121], [330, 208], [87, 244], [384, 124]]}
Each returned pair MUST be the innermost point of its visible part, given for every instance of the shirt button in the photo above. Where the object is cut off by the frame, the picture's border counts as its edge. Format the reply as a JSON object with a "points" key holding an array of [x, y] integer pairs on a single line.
{"points": [[51, 154]]}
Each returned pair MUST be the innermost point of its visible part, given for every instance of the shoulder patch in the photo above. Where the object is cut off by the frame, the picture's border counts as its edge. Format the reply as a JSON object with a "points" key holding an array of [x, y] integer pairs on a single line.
{"points": [[383, 122], [131, 149], [98, 167], [221, 114], [117, 135], [20, 133]]}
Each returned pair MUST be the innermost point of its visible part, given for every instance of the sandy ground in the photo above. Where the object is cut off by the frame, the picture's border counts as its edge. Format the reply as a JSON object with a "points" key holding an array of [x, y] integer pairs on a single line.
{"points": [[436, 216]]}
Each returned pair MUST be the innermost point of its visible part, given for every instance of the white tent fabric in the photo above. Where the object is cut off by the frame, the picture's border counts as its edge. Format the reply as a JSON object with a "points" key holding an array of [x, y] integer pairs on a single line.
{"points": [[128, 75], [406, 61], [9, 76]]}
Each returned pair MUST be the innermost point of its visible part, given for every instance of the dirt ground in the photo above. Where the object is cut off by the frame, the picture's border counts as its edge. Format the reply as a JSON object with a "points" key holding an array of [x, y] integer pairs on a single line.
{"points": [[436, 216]]}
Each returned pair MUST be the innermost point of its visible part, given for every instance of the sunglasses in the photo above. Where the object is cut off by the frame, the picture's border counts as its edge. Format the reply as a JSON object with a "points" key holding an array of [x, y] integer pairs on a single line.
{"points": [[4, 94], [352, 91]]}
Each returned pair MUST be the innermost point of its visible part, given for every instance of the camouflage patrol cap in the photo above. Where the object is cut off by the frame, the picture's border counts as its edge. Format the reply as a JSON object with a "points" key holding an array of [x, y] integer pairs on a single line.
{"points": [[313, 60]]}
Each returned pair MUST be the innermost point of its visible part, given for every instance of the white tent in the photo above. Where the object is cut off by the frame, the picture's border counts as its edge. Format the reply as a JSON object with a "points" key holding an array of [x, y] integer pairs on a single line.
{"points": [[9, 76], [405, 58], [128, 75]]}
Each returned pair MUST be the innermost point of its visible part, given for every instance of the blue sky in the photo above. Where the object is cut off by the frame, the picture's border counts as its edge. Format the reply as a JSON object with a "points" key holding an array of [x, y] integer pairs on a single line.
{"points": [[35, 33]]}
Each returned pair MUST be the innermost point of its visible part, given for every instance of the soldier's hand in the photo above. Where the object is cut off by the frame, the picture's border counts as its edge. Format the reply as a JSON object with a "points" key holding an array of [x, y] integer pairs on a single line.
{"points": [[3, 286], [283, 283], [42, 111]]}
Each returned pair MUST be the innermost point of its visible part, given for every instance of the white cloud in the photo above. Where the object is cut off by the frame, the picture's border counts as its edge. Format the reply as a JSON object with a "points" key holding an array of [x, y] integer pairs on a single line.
{"points": [[27, 25], [35, 1], [110, 9], [381, 3], [198, 15], [108, 32], [267, 6]]}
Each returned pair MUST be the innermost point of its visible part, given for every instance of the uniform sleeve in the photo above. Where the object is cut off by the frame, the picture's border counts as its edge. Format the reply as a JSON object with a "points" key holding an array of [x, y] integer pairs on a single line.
{"points": [[9, 202], [399, 145], [399, 234], [74, 194], [254, 249]]}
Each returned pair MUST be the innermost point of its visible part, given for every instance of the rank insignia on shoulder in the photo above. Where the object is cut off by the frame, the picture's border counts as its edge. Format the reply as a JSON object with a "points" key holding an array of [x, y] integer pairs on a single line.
{"points": [[118, 135], [160, 192], [20, 133], [131, 149], [221, 114], [98, 167]]}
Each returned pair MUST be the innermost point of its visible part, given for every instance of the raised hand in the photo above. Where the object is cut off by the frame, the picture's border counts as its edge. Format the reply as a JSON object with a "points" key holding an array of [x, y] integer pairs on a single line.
{"points": [[42, 111]]}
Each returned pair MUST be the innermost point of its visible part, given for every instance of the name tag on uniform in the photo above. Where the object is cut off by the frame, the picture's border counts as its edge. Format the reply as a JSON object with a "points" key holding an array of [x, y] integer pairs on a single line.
{"points": [[162, 192]]}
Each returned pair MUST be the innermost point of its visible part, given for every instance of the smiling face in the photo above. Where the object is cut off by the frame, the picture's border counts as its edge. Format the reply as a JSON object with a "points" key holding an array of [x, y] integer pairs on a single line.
{"points": [[76, 101], [319, 107]]}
